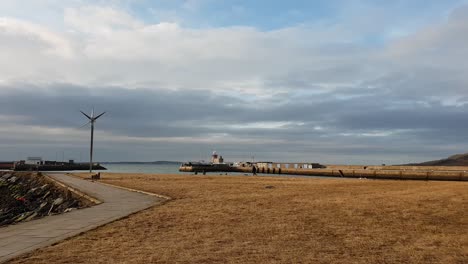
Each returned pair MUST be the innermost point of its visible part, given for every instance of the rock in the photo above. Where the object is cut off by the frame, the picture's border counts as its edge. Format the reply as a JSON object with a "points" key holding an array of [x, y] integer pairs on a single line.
{"points": [[25, 197], [50, 210], [12, 187], [58, 201], [269, 187], [46, 194], [43, 209], [68, 204], [12, 179], [23, 216], [42, 205], [31, 217], [69, 210], [32, 190], [7, 221]]}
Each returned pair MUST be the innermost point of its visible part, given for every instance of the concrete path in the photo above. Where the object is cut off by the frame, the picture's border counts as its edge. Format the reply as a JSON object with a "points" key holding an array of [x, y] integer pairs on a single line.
{"points": [[117, 203]]}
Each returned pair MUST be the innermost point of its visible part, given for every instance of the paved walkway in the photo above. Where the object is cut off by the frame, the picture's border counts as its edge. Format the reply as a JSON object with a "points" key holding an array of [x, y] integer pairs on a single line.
{"points": [[117, 203]]}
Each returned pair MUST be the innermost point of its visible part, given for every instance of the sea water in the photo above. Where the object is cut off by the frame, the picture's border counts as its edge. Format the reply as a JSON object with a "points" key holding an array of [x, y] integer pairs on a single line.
{"points": [[153, 168], [174, 169], [143, 168]]}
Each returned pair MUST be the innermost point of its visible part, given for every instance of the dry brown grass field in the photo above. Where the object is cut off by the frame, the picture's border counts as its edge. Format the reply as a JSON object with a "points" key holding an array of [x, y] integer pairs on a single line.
{"points": [[237, 219]]}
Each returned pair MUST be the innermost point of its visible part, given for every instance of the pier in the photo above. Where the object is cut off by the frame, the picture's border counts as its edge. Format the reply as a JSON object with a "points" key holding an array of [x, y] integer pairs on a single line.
{"points": [[440, 173]]}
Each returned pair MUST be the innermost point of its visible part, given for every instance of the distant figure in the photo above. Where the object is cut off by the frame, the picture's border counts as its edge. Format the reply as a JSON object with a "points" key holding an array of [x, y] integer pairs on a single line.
{"points": [[96, 176], [254, 170]]}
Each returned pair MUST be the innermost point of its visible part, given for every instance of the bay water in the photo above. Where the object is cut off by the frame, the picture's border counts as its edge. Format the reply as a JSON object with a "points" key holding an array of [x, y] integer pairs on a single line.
{"points": [[143, 168], [174, 169]]}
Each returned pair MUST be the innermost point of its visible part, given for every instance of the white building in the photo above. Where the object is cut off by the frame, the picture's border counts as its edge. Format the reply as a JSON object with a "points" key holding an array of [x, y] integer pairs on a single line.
{"points": [[34, 161], [216, 159]]}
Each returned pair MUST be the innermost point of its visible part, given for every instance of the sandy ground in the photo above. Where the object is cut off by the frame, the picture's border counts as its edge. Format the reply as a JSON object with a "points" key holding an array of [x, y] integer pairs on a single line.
{"points": [[236, 219]]}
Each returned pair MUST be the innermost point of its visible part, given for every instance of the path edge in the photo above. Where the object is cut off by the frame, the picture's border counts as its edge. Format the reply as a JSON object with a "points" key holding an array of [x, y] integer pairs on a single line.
{"points": [[73, 190]]}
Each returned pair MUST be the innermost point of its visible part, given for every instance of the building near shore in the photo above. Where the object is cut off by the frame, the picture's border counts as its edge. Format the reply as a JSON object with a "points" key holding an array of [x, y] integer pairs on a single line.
{"points": [[34, 161], [288, 165], [216, 159]]}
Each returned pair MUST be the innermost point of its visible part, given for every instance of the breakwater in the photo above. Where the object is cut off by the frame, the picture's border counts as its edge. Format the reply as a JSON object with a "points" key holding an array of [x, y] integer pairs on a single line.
{"points": [[441, 173], [27, 196], [57, 167], [6, 165]]}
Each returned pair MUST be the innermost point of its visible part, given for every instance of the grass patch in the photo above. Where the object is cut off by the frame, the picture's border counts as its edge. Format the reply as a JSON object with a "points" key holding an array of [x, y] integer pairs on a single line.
{"points": [[224, 219]]}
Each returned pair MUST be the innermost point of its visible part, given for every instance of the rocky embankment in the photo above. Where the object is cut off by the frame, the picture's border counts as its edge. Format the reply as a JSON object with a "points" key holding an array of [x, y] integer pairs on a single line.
{"points": [[28, 196]]}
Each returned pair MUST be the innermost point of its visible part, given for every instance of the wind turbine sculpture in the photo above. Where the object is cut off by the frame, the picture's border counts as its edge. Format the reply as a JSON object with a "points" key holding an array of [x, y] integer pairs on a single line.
{"points": [[92, 120]]}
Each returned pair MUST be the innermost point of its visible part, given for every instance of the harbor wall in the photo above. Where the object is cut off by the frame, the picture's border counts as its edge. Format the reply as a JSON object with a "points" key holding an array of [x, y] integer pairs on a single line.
{"points": [[404, 168], [371, 172], [59, 167]]}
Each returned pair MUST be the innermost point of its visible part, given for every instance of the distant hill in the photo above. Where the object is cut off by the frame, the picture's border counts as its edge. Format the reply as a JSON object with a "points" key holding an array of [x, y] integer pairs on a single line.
{"points": [[160, 162], [455, 160]]}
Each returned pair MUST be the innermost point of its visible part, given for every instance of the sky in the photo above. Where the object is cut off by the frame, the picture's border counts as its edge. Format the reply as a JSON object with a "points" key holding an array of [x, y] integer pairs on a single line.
{"points": [[349, 82]]}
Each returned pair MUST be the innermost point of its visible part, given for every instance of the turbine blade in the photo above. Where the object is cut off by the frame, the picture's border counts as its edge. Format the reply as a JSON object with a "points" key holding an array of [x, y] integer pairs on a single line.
{"points": [[86, 115], [87, 123], [99, 115], [92, 113]]}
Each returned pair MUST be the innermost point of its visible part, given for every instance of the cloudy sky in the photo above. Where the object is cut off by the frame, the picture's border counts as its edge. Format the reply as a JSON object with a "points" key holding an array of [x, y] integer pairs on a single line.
{"points": [[350, 81]]}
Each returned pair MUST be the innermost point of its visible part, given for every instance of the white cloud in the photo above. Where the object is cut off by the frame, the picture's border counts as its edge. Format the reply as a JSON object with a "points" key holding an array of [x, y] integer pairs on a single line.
{"points": [[441, 45], [106, 46], [22, 31], [99, 20]]}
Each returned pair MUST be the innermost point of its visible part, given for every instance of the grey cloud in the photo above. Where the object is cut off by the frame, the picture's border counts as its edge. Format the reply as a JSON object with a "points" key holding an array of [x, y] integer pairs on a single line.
{"points": [[328, 124]]}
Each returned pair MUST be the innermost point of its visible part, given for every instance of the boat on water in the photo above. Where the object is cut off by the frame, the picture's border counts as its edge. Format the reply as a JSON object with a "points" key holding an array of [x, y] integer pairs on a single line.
{"points": [[216, 164]]}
